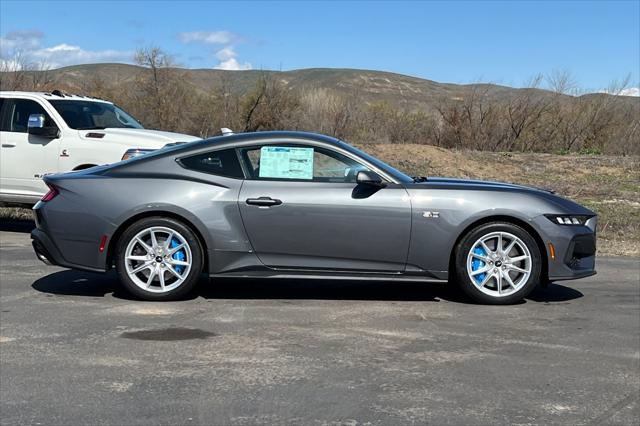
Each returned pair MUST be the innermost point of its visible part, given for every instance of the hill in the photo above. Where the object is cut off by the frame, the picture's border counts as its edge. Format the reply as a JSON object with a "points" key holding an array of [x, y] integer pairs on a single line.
{"points": [[356, 105], [366, 85]]}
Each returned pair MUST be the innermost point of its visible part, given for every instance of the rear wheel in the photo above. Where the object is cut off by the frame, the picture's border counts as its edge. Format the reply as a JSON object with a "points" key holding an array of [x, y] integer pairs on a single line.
{"points": [[498, 263], [159, 259]]}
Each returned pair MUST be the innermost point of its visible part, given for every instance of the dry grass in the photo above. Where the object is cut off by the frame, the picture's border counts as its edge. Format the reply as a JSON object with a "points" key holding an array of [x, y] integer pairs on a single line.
{"points": [[14, 213], [609, 185]]}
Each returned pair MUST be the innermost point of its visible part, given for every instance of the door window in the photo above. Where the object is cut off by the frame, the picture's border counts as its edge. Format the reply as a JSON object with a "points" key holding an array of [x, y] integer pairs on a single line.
{"points": [[299, 162], [4, 123], [17, 112]]}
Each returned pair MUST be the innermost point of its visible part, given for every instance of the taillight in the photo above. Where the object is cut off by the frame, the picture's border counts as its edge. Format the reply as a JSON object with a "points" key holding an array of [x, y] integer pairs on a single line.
{"points": [[53, 191]]}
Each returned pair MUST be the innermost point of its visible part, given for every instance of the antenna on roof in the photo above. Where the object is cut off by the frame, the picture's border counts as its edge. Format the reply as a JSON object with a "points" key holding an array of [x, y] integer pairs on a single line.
{"points": [[226, 132]]}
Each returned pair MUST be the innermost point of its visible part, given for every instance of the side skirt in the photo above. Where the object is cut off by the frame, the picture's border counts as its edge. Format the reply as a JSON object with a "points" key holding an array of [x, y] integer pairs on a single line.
{"points": [[327, 276]]}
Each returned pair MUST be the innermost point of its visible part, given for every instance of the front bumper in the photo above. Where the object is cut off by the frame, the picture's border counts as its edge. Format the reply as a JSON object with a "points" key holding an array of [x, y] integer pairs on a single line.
{"points": [[574, 247]]}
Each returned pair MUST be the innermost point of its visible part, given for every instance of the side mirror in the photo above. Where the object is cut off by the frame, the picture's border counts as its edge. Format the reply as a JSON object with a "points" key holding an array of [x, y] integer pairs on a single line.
{"points": [[367, 177], [36, 126]]}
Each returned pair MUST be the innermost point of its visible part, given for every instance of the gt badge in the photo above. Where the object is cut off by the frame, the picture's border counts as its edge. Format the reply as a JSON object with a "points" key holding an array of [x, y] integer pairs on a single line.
{"points": [[431, 214]]}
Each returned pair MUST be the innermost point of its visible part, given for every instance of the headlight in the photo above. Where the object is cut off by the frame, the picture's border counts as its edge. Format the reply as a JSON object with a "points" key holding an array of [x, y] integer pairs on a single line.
{"points": [[135, 152], [567, 219]]}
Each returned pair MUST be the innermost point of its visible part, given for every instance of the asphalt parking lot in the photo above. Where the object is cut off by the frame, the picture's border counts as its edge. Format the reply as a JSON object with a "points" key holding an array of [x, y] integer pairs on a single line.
{"points": [[74, 349]]}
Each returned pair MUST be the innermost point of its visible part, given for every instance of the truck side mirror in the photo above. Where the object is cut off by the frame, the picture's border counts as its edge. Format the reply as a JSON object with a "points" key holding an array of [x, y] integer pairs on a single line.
{"points": [[36, 126]]}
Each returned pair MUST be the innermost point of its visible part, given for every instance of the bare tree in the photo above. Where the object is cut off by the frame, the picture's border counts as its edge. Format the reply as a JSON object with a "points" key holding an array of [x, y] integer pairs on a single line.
{"points": [[327, 111], [164, 99], [524, 111], [19, 73], [562, 82], [269, 106], [472, 120]]}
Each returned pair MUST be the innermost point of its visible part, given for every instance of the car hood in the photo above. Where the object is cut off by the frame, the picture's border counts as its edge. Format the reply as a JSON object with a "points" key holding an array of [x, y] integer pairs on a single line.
{"points": [[560, 204], [136, 138], [477, 184]]}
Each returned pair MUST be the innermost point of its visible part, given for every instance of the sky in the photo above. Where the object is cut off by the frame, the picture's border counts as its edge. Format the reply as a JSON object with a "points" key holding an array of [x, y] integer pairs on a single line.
{"points": [[503, 42]]}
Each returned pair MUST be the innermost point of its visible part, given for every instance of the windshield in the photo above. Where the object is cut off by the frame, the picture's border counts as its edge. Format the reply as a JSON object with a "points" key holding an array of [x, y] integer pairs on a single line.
{"points": [[89, 115]]}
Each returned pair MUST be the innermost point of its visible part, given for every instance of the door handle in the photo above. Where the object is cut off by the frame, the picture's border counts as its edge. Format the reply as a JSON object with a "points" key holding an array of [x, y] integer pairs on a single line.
{"points": [[263, 201], [8, 145]]}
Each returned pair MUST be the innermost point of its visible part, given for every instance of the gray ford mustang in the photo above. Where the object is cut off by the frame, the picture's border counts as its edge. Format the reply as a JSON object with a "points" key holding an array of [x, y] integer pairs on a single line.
{"points": [[293, 204]]}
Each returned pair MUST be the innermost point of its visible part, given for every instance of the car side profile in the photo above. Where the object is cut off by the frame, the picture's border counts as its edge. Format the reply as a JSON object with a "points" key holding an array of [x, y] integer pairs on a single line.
{"points": [[53, 132], [294, 204]]}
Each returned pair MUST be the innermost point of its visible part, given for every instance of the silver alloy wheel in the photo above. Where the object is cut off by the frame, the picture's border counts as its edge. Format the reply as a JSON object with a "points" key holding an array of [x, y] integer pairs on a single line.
{"points": [[158, 259], [499, 264]]}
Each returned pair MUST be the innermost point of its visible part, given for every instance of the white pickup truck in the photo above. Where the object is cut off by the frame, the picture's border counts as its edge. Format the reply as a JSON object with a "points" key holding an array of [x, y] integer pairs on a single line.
{"points": [[42, 133]]}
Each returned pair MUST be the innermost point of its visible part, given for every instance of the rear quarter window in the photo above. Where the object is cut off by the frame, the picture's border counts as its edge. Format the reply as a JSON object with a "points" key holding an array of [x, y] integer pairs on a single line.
{"points": [[220, 163]]}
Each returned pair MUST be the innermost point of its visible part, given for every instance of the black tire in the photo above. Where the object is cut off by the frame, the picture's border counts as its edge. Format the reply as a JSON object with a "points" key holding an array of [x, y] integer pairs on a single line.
{"points": [[196, 259], [466, 244]]}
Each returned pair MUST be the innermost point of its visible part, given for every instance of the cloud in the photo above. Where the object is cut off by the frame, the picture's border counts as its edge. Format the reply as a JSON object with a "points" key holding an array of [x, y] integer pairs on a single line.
{"points": [[227, 56], [10, 65], [209, 37], [24, 47], [631, 91], [233, 65], [18, 41], [65, 54], [226, 53]]}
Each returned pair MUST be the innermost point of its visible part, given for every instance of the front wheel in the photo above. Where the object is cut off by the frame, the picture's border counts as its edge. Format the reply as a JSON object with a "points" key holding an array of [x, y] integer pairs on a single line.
{"points": [[498, 263], [159, 259]]}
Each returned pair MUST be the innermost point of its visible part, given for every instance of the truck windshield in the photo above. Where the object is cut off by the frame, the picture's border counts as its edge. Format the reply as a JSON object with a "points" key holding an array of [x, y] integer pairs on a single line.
{"points": [[91, 115]]}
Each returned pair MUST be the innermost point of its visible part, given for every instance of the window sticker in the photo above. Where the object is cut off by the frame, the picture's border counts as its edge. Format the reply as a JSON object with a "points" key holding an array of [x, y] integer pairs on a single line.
{"points": [[286, 162]]}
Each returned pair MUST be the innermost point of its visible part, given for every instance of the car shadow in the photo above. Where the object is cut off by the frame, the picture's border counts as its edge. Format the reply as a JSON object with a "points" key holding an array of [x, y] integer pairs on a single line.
{"points": [[318, 289], [87, 284], [17, 225], [80, 283], [554, 293]]}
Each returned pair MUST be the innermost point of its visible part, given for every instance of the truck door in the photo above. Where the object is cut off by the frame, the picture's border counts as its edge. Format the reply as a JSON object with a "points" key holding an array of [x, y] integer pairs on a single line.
{"points": [[25, 158]]}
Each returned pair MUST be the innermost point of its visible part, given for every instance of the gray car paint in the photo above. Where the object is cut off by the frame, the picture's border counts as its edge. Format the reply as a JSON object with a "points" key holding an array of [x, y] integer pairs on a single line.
{"points": [[331, 229], [335, 229]]}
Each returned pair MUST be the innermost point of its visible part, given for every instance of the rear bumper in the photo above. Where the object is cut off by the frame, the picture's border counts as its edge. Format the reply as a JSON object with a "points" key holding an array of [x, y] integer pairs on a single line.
{"points": [[47, 252]]}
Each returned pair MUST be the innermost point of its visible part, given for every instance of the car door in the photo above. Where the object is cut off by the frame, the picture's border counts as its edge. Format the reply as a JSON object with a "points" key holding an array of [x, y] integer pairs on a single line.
{"points": [[302, 209], [25, 158]]}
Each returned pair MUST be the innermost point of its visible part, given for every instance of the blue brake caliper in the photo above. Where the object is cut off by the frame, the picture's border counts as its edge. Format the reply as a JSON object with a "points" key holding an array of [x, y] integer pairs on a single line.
{"points": [[477, 264], [179, 255]]}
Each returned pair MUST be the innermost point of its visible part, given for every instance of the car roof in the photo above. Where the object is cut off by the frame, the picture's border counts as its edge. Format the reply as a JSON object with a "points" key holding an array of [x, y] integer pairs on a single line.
{"points": [[230, 140], [53, 95], [273, 134], [246, 139]]}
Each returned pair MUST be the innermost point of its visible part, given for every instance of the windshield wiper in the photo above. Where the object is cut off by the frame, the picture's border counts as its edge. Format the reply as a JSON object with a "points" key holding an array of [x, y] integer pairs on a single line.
{"points": [[418, 179]]}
